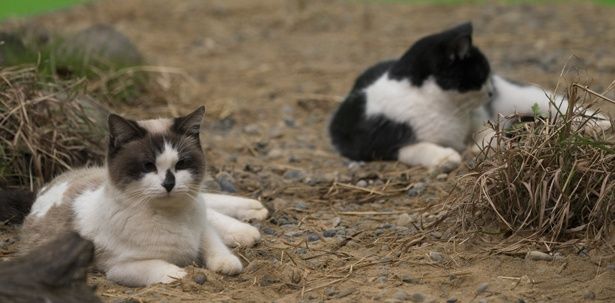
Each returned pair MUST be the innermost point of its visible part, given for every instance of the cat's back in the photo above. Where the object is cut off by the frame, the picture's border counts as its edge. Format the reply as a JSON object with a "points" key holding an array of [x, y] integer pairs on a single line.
{"points": [[52, 212], [373, 73]]}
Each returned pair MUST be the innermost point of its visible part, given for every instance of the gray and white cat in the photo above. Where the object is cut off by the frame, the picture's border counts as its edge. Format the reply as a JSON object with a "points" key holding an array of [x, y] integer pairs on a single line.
{"points": [[144, 209]]}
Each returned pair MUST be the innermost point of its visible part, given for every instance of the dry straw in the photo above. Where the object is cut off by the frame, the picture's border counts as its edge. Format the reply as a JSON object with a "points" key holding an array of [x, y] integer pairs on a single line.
{"points": [[45, 127], [551, 179]]}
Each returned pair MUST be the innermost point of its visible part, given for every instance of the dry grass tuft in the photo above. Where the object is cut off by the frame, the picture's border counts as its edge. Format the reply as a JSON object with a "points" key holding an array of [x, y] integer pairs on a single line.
{"points": [[45, 127], [547, 179]]}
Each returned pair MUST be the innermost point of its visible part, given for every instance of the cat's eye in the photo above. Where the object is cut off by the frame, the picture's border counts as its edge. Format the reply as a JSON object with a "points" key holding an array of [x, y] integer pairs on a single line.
{"points": [[149, 167], [181, 164]]}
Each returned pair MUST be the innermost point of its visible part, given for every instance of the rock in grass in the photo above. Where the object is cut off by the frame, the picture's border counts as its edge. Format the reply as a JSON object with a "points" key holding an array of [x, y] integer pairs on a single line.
{"points": [[482, 288], [403, 219], [329, 233], [538, 256], [436, 256], [589, 295], [400, 295], [102, 43], [452, 300], [417, 189], [226, 182], [417, 297], [200, 278]]}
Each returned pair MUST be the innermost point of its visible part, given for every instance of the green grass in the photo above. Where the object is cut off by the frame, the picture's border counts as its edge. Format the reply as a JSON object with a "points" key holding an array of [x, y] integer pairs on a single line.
{"points": [[21, 8]]}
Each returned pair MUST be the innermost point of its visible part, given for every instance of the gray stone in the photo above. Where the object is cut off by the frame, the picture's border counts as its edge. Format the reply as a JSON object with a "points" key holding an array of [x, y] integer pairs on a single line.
{"points": [[329, 233], [200, 278], [362, 183], [294, 175], [400, 295], [451, 300], [311, 237], [482, 288], [417, 189], [226, 182], [417, 297], [102, 43], [538, 256], [436, 256]]}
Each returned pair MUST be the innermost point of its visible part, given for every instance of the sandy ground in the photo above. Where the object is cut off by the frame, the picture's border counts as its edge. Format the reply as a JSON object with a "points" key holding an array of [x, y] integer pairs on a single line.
{"points": [[270, 74]]}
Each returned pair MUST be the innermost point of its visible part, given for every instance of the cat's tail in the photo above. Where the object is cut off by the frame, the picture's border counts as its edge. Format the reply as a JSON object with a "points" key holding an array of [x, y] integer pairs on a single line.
{"points": [[15, 205]]}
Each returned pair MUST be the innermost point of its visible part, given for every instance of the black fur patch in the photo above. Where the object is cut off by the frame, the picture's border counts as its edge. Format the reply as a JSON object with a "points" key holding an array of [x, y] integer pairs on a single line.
{"points": [[15, 205], [361, 139], [449, 57]]}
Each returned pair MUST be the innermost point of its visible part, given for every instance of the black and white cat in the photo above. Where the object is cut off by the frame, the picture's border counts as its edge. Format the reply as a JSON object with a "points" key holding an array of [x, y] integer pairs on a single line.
{"points": [[425, 108], [145, 209], [417, 109]]}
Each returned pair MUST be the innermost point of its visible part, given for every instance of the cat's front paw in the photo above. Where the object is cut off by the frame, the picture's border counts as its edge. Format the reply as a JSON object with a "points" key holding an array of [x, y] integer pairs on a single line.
{"points": [[446, 160], [252, 210], [244, 235], [170, 275], [225, 264]]}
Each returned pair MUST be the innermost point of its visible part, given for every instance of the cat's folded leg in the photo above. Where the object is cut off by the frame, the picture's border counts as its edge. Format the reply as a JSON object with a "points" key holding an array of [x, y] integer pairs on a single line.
{"points": [[237, 207], [430, 155], [144, 272], [233, 232], [217, 256]]}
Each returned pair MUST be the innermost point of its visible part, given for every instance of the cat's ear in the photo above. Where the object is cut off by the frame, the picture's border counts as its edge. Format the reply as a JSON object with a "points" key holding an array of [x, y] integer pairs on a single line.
{"points": [[460, 42], [190, 125], [122, 131]]}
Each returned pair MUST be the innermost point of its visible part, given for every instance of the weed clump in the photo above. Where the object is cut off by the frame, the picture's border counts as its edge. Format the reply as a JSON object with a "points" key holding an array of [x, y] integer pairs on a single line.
{"points": [[552, 178]]}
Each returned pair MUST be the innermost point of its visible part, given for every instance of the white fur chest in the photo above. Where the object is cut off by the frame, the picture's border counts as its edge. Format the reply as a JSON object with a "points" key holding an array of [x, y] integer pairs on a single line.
{"points": [[122, 234], [435, 115]]}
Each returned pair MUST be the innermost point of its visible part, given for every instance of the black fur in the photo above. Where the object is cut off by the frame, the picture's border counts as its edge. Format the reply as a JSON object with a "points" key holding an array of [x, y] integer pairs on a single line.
{"points": [[448, 56], [15, 205]]}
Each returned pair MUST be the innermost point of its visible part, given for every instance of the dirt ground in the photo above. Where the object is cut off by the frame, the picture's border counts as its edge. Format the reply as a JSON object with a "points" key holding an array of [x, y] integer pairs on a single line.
{"points": [[270, 74]]}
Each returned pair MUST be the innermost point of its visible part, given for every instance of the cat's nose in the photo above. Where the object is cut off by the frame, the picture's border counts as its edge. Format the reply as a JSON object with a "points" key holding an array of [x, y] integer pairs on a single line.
{"points": [[169, 181]]}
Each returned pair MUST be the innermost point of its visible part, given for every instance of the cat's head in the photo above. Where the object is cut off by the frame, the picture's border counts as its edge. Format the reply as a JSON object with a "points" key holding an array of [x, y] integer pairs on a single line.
{"points": [[154, 160], [449, 59]]}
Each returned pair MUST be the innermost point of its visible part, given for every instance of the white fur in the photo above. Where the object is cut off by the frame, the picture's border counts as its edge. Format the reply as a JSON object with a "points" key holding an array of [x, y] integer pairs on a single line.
{"points": [[156, 125], [234, 233], [430, 155], [435, 115], [238, 207], [51, 197]]}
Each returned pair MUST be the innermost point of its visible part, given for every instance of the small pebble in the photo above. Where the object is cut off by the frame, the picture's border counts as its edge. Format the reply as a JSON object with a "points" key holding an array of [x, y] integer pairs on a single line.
{"points": [[436, 256], [408, 279], [482, 288], [589, 295], [294, 175], [200, 278], [279, 204], [436, 234], [400, 295], [269, 231], [311, 237], [482, 301], [251, 129], [403, 220], [329, 233], [451, 300], [362, 183], [417, 297], [336, 221], [441, 177], [226, 182], [538, 256], [275, 153], [417, 189], [330, 291]]}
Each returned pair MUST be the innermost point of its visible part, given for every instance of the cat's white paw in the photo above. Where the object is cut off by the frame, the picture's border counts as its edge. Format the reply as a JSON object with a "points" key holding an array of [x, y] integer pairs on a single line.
{"points": [[243, 235], [446, 160], [171, 274], [252, 210], [227, 264]]}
